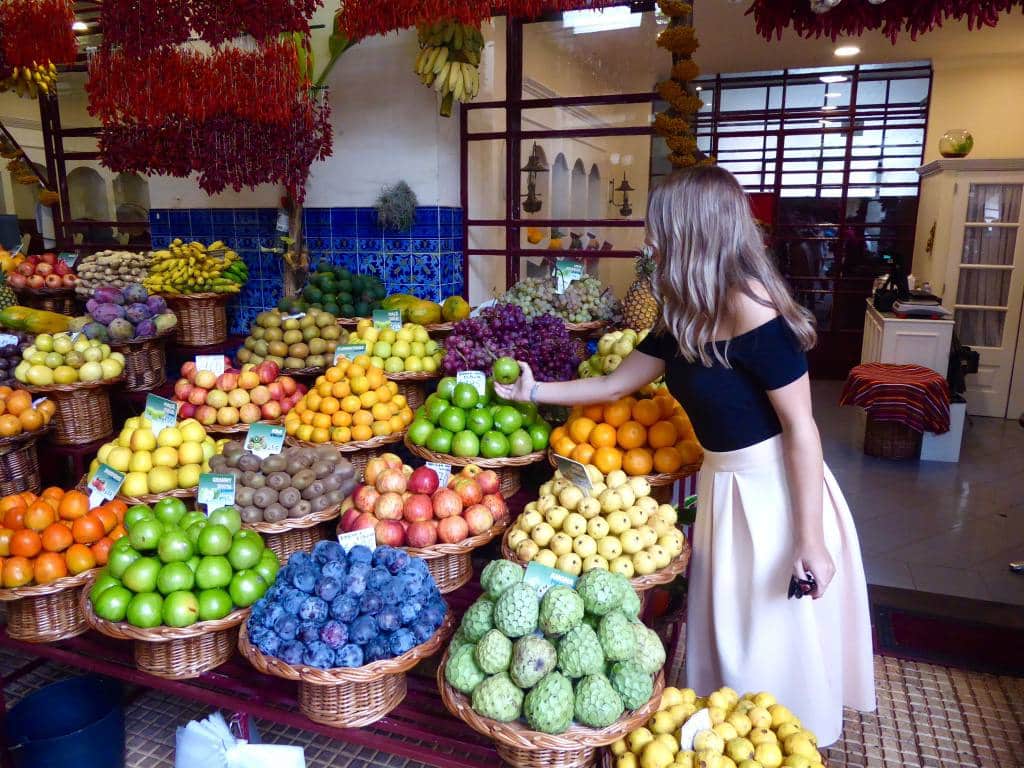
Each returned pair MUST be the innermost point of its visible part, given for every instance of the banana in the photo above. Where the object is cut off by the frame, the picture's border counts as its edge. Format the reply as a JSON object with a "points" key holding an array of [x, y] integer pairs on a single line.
{"points": [[458, 37], [455, 75], [441, 60], [442, 77]]}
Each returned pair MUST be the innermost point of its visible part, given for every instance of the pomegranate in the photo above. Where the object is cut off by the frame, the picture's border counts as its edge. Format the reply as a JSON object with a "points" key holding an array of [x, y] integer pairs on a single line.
{"points": [[268, 371], [390, 533], [391, 480], [365, 498], [446, 504], [365, 520], [488, 481], [348, 519], [496, 504], [468, 490], [392, 460], [478, 519], [388, 506], [374, 467], [421, 534]]}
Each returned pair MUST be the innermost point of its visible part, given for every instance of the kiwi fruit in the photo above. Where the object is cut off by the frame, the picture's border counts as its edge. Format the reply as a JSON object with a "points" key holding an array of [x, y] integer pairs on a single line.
{"points": [[243, 496], [314, 490], [301, 509], [294, 467], [289, 497], [218, 463], [332, 483], [334, 497], [303, 478], [251, 514], [306, 456], [254, 480], [320, 503], [275, 513], [279, 480], [249, 462], [231, 459], [326, 453], [274, 463], [321, 469], [234, 472], [264, 497], [345, 470]]}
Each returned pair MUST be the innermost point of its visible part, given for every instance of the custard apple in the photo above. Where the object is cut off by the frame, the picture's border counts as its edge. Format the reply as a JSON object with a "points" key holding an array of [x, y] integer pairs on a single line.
{"points": [[650, 653], [550, 703], [601, 591], [616, 635], [498, 576], [461, 671], [579, 652], [597, 703], [561, 609], [632, 683], [458, 640], [478, 620], [532, 658], [494, 652], [631, 605], [515, 612], [498, 698]]}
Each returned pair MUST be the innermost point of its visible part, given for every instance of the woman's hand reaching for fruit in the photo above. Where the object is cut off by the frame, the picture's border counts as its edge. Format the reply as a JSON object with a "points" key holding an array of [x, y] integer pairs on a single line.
{"points": [[520, 389], [636, 370]]}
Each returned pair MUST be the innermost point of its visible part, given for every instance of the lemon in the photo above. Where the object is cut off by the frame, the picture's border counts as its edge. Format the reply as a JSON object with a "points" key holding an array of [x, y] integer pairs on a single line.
{"points": [[656, 755], [662, 722], [739, 749], [708, 740], [639, 739], [618, 747], [627, 760], [780, 715], [740, 722], [768, 755], [760, 717], [726, 731]]}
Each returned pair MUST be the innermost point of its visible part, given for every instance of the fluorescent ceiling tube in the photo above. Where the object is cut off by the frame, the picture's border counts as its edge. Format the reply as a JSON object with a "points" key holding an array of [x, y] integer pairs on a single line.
{"points": [[617, 17]]}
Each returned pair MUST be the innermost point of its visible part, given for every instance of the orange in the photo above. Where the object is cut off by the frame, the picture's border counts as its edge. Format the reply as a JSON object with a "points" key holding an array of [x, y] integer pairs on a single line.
{"points": [[320, 435], [662, 435], [406, 416], [17, 572], [13, 501], [48, 567], [321, 421], [340, 390], [313, 400], [80, 558], [646, 412], [39, 515], [666, 404], [19, 400], [9, 425], [608, 459], [5, 391], [5, 542], [396, 424], [341, 435], [690, 451], [583, 453], [329, 405], [52, 494], [25, 543], [563, 446], [602, 436], [362, 418], [100, 550], [381, 411], [333, 374], [119, 508], [594, 412], [362, 432], [14, 518], [57, 537], [350, 403], [556, 434], [384, 394], [359, 384], [667, 460], [31, 420], [579, 429], [47, 408], [368, 399], [106, 516], [637, 461], [341, 419], [88, 529], [3, 407], [616, 414], [381, 428], [307, 417], [74, 505], [376, 377], [324, 388], [116, 534], [631, 435]]}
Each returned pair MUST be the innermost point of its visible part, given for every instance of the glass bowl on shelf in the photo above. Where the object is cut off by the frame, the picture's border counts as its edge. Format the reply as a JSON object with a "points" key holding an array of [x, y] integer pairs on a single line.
{"points": [[957, 142]]}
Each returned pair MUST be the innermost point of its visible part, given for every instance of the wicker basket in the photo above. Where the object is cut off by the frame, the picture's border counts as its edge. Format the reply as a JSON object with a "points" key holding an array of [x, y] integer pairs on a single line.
{"points": [[661, 482], [357, 452], [149, 498], [145, 361], [83, 410], [46, 613], [586, 330], [293, 535], [240, 428], [169, 652], [440, 331], [412, 386], [349, 322], [348, 697], [19, 463], [640, 583], [522, 748], [59, 300], [202, 317], [891, 440], [451, 565], [507, 469]]}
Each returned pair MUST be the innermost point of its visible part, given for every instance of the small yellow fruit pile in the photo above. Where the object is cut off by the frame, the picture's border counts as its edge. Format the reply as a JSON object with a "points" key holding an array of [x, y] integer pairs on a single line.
{"points": [[617, 526], [749, 732], [351, 401], [194, 267], [409, 348]]}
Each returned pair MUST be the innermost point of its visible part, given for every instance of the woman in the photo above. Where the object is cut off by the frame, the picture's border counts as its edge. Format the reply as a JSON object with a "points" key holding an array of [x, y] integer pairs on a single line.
{"points": [[731, 342]]}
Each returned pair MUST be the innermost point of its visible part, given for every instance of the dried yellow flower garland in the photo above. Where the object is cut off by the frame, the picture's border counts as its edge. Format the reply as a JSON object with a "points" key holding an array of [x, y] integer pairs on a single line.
{"points": [[676, 124]]}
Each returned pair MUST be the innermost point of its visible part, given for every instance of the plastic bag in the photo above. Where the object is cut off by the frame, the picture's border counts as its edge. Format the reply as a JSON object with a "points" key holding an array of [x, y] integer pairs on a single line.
{"points": [[209, 743]]}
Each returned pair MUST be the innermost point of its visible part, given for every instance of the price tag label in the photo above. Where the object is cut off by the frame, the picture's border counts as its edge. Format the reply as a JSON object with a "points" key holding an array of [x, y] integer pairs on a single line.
{"points": [[68, 258], [566, 272], [216, 491], [104, 486], [264, 439], [74, 336], [363, 537], [39, 401], [282, 222], [387, 318], [699, 721], [574, 472], [443, 472], [351, 351], [7, 339], [162, 413], [477, 310], [212, 363], [296, 316], [542, 578], [477, 378]]}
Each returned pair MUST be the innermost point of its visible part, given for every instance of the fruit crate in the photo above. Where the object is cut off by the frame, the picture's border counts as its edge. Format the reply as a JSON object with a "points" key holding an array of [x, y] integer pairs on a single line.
{"points": [[349, 697], [508, 469], [46, 613], [83, 410]]}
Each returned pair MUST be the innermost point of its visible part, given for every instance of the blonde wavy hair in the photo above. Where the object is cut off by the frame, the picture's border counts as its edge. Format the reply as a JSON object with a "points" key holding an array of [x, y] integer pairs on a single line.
{"points": [[707, 247]]}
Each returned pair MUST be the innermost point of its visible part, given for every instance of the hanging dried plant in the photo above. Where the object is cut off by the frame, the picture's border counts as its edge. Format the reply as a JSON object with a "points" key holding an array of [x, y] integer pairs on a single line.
{"points": [[675, 8], [396, 208], [685, 70], [679, 98], [682, 145], [681, 41]]}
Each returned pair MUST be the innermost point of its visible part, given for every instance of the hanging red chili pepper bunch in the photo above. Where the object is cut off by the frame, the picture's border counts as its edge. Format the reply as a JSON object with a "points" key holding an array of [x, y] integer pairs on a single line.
{"points": [[38, 32], [851, 18], [140, 26]]}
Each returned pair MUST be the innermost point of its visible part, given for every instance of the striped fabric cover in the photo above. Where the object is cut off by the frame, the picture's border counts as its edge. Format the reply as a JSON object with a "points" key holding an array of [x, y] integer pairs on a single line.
{"points": [[910, 394]]}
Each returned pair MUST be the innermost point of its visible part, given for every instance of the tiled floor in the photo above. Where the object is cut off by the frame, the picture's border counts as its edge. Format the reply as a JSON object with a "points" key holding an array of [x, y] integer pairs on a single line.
{"points": [[933, 526]]}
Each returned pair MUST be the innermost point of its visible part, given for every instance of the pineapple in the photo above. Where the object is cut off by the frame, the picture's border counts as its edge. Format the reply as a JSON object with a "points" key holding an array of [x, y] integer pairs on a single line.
{"points": [[7, 297], [640, 309]]}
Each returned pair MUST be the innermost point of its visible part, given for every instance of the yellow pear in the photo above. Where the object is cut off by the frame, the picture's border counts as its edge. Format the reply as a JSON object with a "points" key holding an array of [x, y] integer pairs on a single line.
{"points": [[726, 731], [143, 440], [135, 484], [627, 760], [768, 755], [162, 479], [764, 699], [142, 461], [639, 739], [740, 722], [618, 747], [661, 722], [780, 715], [786, 730], [669, 741], [708, 740], [104, 452], [119, 458], [762, 736], [760, 717], [124, 439], [169, 436], [739, 749], [656, 755], [797, 761], [799, 744], [685, 759], [165, 456]]}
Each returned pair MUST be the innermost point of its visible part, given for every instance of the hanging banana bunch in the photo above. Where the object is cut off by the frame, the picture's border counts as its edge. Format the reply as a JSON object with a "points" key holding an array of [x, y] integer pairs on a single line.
{"points": [[29, 82], [449, 61]]}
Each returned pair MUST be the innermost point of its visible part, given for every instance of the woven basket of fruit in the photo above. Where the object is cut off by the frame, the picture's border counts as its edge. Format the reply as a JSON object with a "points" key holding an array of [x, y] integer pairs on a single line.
{"points": [[661, 482], [83, 410], [184, 494], [451, 564], [586, 330], [240, 428], [46, 613], [412, 385], [358, 452], [59, 300], [300, 344], [508, 469], [145, 361], [298, 534], [202, 317], [21, 426]]}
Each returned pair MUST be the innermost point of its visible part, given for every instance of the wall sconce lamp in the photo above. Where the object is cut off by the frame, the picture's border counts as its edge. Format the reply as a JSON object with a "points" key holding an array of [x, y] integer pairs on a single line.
{"points": [[624, 187], [536, 164]]}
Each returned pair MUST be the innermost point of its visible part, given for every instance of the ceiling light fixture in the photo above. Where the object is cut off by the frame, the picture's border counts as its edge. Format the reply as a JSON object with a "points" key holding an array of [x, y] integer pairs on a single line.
{"points": [[833, 95], [829, 79], [618, 17], [829, 107], [80, 26], [846, 51], [827, 124]]}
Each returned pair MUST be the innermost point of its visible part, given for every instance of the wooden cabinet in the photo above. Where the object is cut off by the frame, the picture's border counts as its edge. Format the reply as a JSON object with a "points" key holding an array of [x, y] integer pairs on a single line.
{"points": [[891, 339]]}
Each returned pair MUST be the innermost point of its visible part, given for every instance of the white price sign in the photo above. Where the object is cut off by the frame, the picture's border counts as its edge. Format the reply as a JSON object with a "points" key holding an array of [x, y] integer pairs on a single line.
{"points": [[477, 378], [364, 536]]}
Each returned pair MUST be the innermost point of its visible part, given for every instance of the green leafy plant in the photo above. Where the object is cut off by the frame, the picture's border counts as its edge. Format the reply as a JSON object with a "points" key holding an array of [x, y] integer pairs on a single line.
{"points": [[396, 208]]}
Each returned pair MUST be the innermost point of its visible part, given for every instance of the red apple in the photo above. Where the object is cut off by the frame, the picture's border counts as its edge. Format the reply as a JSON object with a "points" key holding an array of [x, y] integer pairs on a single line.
{"points": [[227, 381], [365, 520], [418, 508], [271, 410], [390, 533], [206, 379], [206, 415], [268, 370], [61, 268], [33, 259], [423, 480], [468, 490], [44, 269], [53, 281], [227, 416], [388, 506], [260, 395], [188, 370], [49, 258], [391, 480], [452, 530], [17, 280], [446, 503], [393, 460], [197, 396], [249, 413], [69, 281], [497, 505], [421, 534], [288, 385], [248, 380], [365, 497], [276, 390], [36, 281], [182, 388], [186, 411], [488, 481], [478, 518], [349, 518]]}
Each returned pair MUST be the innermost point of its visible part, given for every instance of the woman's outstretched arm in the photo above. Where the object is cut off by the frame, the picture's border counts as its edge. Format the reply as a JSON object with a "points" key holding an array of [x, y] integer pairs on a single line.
{"points": [[635, 371]]}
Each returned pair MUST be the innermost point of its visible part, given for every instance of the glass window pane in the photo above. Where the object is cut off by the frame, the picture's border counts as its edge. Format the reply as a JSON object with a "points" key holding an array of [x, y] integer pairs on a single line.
{"points": [[909, 91], [989, 245], [485, 120], [980, 327], [991, 203], [984, 287], [743, 99], [485, 238], [487, 182], [486, 277], [492, 61], [588, 116]]}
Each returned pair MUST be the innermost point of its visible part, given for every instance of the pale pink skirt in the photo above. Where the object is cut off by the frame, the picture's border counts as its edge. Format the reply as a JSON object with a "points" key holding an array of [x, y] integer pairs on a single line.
{"points": [[815, 656]]}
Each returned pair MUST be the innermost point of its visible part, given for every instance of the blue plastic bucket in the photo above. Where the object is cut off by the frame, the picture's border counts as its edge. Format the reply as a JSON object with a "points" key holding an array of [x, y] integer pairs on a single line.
{"points": [[77, 722]]}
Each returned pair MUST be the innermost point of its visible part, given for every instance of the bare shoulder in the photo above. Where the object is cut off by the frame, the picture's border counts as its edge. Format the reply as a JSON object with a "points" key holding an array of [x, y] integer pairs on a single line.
{"points": [[749, 312]]}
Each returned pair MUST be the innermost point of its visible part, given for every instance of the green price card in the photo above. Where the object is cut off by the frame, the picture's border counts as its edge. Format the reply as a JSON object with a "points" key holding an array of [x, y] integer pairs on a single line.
{"points": [[387, 318], [264, 439]]}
